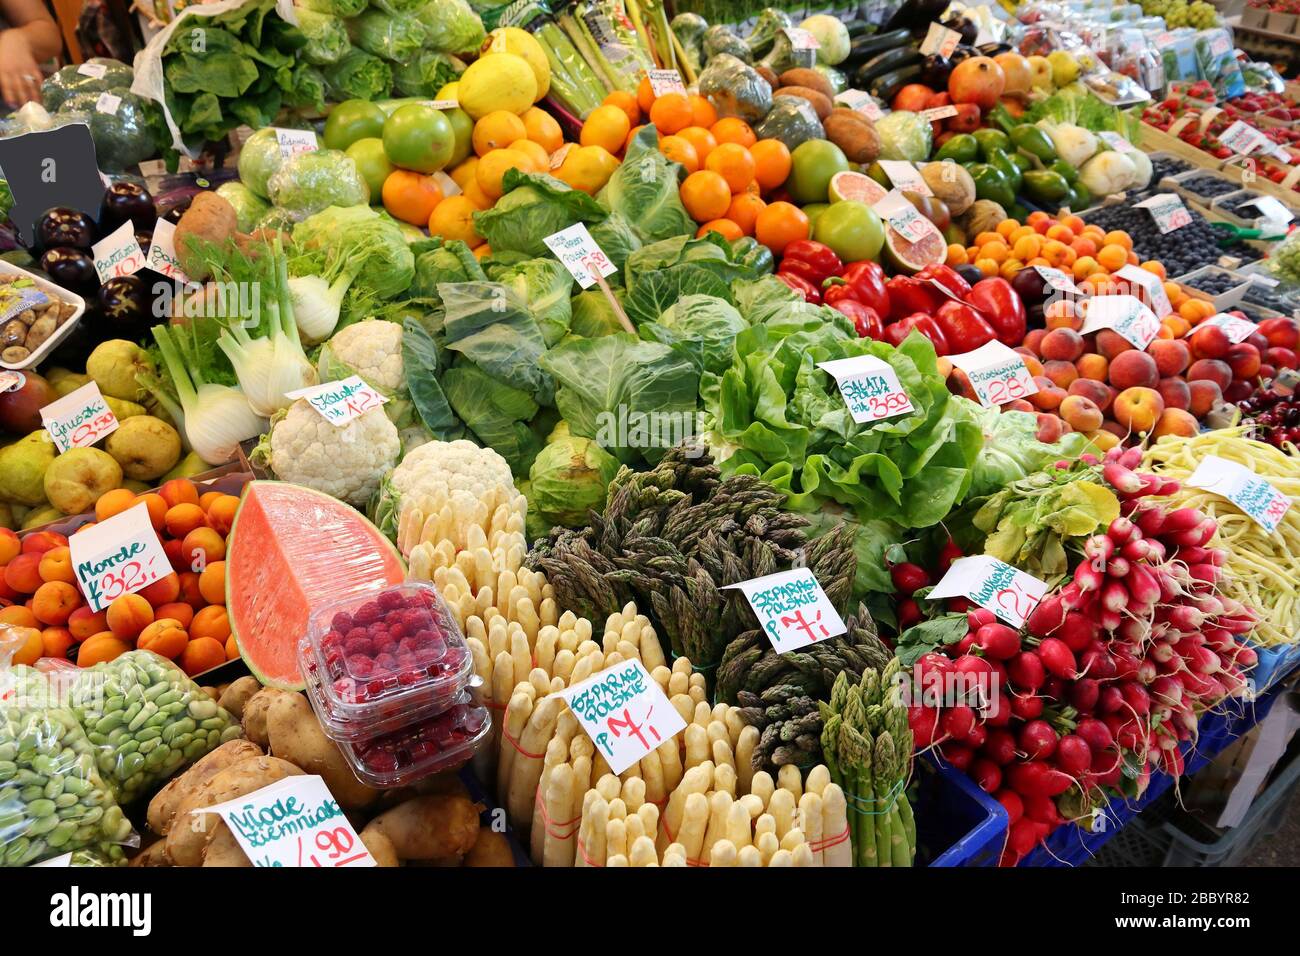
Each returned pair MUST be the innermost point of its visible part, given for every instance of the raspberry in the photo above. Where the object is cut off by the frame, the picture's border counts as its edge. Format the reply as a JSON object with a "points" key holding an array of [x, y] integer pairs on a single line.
{"points": [[332, 639], [414, 619], [359, 647], [390, 600], [385, 664], [356, 634], [381, 762], [397, 630], [366, 615], [409, 677], [474, 721], [359, 666], [341, 622]]}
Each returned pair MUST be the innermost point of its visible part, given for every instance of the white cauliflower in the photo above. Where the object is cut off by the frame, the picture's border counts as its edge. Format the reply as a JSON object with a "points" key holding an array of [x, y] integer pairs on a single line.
{"points": [[347, 462], [371, 349]]}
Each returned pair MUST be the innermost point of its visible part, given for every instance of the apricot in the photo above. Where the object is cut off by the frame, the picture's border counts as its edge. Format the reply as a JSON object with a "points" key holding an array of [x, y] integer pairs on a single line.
{"points": [[56, 565], [157, 509], [24, 643], [1172, 356], [221, 513], [202, 547], [1138, 408], [56, 642], [164, 637], [202, 654], [177, 611], [206, 499], [212, 622], [183, 518], [232, 648], [1133, 368], [23, 573], [100, 647], [19, 616], [84, 623], [54, 602], [179, 491], [114, 502], [10, 546], [190, 592], [128, 615], [39, 541], [1092, 365], [1175, 392], [212, 583], [1175, 421], [163, 591], [1081, 413]]}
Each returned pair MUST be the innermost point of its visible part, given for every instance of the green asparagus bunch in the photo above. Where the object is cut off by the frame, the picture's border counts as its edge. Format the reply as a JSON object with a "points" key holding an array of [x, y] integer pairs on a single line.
{"points": [[867, 746]]}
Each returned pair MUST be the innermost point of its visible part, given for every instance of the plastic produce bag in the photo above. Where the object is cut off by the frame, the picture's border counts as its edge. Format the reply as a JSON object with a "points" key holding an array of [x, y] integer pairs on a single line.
{"points": [[395, 38], [327, 37], [426, 73], [119, 125], [335, 8], [84, 78], [146, 720], [53, 799], [791, 120], [310, 182], [735, 88], [451, 26]]}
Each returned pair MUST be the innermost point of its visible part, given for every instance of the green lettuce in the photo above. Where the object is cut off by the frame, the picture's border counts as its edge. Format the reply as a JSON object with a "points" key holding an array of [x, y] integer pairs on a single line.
{"points": [[451, 26], [421, 361], [425, 73], [1012, 449], [370, 242], [359, 75], [659, 274], [644, 190], [393, 37], [327, 37]]}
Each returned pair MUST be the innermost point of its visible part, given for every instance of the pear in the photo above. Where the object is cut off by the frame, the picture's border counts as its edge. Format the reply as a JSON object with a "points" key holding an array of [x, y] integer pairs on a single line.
{"points": [[22, 469]]}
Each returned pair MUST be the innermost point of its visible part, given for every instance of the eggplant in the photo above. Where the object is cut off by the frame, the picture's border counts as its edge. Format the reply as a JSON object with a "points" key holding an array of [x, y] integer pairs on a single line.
{"points": [[124, 302], [965, 26], [126, 200], [972, 274], [935, 70], [993, 49], [62, 226], [916, 15], [963, 52], [175, 210], [71, 268]]}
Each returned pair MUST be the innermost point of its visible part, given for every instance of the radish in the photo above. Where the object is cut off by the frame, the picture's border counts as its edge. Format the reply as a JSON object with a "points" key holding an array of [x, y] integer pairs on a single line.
{"points": [[1150, 521], [1042, 809], [976, 736], [1137, 549], [1121, 530], [1202, 660], [1011, 803], [1182, 519], [1022, 837], [1126, 664], [1200, 686], [973, 677], [1037, 739], [1053, 688], [958, 721], [1000, 747], [1137, 698], [1134, 630], [1077, 630], [1114, 596], [1205, 573], [962, 647], [1098, 549], [1110, 619], [909, 578], [1037, 778], [909, 613], [998, 641], [1027, 671], [1245, 657], [1167, 689], [1121, 478], [959, 755], [1072, 596], [948, 554], [1142, 585], [986, 774], [1057, 658], [1130, 457], [1147, 672], [1084, 694], [1047, 616], [1026, 707], [1098, 663], [1118, 567], [958, 605], [977, 617], [1088, 578], [924, 722], [1237, 625], [1172, 762], [1162, 652], [1109, 700], [1073, 755], [1095, 734]]}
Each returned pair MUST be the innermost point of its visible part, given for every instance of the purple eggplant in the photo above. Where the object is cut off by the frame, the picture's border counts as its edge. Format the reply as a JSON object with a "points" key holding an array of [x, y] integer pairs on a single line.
{"points": [[125, 200], [62, 226], [71, 268]]}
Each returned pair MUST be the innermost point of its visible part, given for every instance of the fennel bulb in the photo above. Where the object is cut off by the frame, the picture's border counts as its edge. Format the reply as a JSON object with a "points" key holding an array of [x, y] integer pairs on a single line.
{"points": [[317, 305]]}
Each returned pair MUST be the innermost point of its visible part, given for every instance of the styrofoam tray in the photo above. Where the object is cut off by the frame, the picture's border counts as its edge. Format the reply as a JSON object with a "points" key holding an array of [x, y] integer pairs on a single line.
{"points": [[62, 332]]}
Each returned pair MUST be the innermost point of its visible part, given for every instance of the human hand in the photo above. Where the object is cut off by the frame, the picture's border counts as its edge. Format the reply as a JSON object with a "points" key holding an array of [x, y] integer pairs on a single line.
{"points": [[20, 75]]}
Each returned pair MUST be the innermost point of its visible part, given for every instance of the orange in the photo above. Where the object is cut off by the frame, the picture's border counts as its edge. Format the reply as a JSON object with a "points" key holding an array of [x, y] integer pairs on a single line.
{"points": [[410, 197], [482, 252], [680, 150], [705, 194], [1112, 257], [491, 171], [534, 151], [542, 129], [113, 502], [202, 654], [733, 129], [475, 194], [463, 174], [497, 130], [779, 224], [725, 227], [734, 164], [626, 102], [607, 126], [702, 111], [453, 218], [771, 163], [703, 141], [645, 95], [671, 113], [744, 210]]}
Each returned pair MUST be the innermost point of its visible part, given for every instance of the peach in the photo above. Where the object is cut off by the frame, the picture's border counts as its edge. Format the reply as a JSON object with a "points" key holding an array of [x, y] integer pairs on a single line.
{"points": [[179, 491], [1091, 365], [1030, 359], [1015, 405], [1205, 394], [1063, 319], [1209, 342], [19, 616], [23, 573], [1172, 356], [56, 565], [1049, 427], [54, 602], [1175, 421], [10, 546], [1115, 428], [1110, 343], [176, 611], [1138, 408], [1216, 371], [183, 518], [1103, 439], [84, 623], [1244, 360], [1096, 392], [1280, 357], [39, 541], [1133, 368], [1063, 344], [1034, 340], [163, 591], [1082, 413], [128, 615], [1048, 395], [1060, 372], [201, 547], [1176, 393]]}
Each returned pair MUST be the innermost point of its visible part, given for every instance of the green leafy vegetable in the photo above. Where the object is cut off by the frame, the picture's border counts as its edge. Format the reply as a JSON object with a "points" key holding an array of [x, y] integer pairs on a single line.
{"points": [[701, 327], [370, 242], [451, 26], [359, 75], [421, 359], [1012, 450], [544, 285], [437, 261], [592, 314], [568, 478], [311, 182], [533, 207], [327, 37], [392, 37], [425, 73], [644, 190]]}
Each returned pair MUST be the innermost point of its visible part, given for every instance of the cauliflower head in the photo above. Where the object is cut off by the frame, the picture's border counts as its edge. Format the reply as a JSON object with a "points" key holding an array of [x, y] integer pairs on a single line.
{"points": [[371, 349], [346, 462]]}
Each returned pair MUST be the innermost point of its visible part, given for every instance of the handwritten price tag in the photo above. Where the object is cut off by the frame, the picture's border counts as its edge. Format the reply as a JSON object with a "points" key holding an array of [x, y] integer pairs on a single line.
{"points": [[10, 380], [992, 584], [1126, 315], [861, 101], [295, 141], [1152, 289], [801, 39], [443, 104], [79, 419], [581, 256], [792, 609], [902, 216], [162, 251], [869, 387], [1271, 208], [997, 373], [905, 176], [937, 113], [1168, 211], [1057, 280], [624, 712], [1252, 494], [118, 254], [119, 555], [939, 39], [1237, 329], [293, 822], [1242, 138], [340, 402], [665, 81], [1116, 142]]}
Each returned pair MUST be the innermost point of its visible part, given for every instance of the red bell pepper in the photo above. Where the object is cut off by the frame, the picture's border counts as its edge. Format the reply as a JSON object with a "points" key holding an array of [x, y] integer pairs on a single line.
{"points": [[927, 326], [947, 277], [866, 320], [815, 261], [963, 327], [810, 292], [909, 294], [1002, 309], [867, 280]]}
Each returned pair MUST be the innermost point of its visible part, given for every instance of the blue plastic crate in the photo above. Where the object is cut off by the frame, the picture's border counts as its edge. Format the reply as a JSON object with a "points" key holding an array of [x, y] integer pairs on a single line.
{"points": [[1274, 664], [957, 823]]}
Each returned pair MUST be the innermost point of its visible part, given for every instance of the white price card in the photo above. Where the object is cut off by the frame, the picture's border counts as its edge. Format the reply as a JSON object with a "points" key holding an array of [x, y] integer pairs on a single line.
{"points": [[293, 822], [10, 380], [624, 712], [1153, 288], [792, 608], [107, 103], [340, 402], [869, 387], [1008, 592], [62, 860], [580, 254], [663, 82], [905, 176], [898, 211], [448, 185], [78, 419], [801, 39], [119, 555], [939, 39], [996, 372], [936, 113], [1243, 139], [295, 141], [1167, 210], [1252, 494], [1125, 314], [861, 101], [1271, 208], [118, 254], [96, 70], [1236, 328], [1058, 281], [162, 251], [443, 104]]}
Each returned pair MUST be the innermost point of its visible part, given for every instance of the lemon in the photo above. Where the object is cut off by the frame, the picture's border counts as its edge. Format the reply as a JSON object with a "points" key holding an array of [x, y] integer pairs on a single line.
{"points": [[497, 81], [523, 44], [449, 92]]}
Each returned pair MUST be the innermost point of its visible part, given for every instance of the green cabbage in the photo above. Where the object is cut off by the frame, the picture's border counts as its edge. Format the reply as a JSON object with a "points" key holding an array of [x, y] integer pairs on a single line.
{"points": [[70, 80], [437, 260], [644, 190], [124, 136], [593, 316], [568, 478], [700, 327], [310, 182], [832, 38], [533, 207], [544, 285]]}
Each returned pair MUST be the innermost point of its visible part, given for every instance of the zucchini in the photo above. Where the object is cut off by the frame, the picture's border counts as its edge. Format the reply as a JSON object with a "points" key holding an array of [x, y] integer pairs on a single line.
{"points": [[884, 63], [993, 49], [884, 87], [864, 47], [857, 28]]}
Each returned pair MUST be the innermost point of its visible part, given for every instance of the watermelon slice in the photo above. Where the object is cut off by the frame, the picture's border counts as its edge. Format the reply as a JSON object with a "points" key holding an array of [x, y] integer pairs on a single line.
{"points": [[290, 550]]}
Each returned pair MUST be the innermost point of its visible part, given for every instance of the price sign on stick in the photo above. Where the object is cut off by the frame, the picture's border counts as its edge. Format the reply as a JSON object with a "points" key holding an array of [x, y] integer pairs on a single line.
{"points": [[580, 254], [1152, 289], [902, 216], [792, 608], [1125, 314], [295, 141], [293, 822], [1252, 494], [118, 254], [340, 402], [992, 584], [1058, 281], [996, 372], [1168, 211], [624, 712], [120, 555], [869, 387], [78, 419], [905, 176]]}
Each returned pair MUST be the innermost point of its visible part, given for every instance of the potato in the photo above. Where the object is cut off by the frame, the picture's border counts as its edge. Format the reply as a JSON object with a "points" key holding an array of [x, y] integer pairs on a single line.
{"points": [[490, 849], [820, 102], [380, 847], [235, 696], [810, 79], [296, 736], [186, 842], [440, 829], [162, 808], [224, 850], [254, 713], [155, 854]]}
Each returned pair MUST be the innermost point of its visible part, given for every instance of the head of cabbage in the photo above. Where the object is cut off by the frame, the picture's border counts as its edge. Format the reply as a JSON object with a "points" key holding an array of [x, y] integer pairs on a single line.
{"points": [[569, 477]]}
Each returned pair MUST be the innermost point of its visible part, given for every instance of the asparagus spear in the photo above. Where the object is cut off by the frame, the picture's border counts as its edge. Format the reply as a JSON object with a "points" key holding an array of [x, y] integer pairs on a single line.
{"points": [[882, 767], [868, 843]]}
